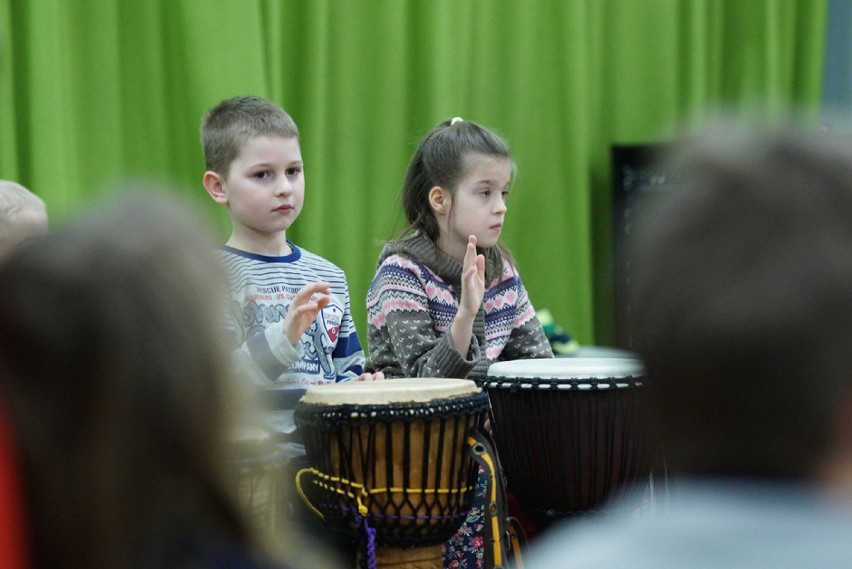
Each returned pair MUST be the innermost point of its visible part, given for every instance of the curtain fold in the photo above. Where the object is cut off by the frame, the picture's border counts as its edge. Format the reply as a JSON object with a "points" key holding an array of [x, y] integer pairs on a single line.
{"points": [[95, 91]]}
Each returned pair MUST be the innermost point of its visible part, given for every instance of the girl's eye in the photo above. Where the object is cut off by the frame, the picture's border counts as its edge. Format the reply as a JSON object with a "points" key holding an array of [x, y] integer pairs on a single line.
{"points": [[293, 171]]}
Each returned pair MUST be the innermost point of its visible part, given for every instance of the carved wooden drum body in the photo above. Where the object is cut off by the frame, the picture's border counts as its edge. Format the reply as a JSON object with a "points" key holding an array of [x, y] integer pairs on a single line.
{"points": [[389, 460], [567, 431]]}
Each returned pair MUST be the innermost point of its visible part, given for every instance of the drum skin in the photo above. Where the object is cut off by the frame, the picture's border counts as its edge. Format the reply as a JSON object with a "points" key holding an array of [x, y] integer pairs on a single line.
{"points": [[567, 432]]}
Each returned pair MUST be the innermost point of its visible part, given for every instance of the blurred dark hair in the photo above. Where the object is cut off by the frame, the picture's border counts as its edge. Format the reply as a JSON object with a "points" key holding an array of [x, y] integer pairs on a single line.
{"points": [[741, 299], [115, 376]]}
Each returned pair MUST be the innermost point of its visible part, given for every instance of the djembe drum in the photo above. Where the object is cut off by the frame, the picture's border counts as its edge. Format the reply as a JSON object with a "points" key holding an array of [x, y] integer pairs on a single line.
{"points": [[567, 432], [257, 477], [389, 463]]}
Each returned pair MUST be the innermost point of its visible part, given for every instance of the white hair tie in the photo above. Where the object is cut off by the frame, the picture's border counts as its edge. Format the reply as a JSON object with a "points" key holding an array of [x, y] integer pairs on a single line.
{"points": [[454, 120]]}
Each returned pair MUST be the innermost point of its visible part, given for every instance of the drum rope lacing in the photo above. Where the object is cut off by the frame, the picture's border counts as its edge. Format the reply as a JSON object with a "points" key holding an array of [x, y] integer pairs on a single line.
{"points": [[328, 418], [362, 491], [397, 515], [368, 545], [581, 447], [580, 384], [368, 541]]}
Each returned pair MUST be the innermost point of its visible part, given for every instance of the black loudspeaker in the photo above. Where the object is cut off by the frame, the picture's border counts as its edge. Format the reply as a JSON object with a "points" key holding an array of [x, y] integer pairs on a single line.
{"points": [[635, 172]]}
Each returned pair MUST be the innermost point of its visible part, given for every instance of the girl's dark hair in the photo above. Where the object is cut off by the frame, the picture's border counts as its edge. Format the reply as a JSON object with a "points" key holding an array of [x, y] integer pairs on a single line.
{"points": [[441, 160]]}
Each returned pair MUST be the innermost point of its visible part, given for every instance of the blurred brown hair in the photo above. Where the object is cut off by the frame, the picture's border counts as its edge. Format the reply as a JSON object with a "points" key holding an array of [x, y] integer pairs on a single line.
{"points": [[116, 380], [741, 299]]}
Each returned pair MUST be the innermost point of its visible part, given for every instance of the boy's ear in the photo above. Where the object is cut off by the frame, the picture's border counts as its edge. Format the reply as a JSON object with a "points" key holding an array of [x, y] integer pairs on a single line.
{"points": [[439, 200], [215, 187]]}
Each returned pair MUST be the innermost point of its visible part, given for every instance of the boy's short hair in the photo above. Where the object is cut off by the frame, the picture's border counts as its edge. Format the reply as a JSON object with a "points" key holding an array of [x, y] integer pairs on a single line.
{"points": [[225, 128]]}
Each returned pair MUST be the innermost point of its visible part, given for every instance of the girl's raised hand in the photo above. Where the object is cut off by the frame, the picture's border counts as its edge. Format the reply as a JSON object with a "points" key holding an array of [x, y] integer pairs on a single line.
{"points": [[472, 291], [304, 309], [473, 279]]}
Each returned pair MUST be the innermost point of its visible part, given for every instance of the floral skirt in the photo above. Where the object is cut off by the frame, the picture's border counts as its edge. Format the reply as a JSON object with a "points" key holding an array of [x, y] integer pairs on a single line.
{"points": [[466, 549]]}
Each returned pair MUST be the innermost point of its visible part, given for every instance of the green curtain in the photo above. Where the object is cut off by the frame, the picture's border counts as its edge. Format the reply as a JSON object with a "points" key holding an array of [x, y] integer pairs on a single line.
{"points": [[96, 91]]}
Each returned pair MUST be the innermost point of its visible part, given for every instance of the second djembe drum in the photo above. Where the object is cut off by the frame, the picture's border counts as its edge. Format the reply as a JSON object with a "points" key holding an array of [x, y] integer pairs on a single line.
{"points": [[567, 432]]}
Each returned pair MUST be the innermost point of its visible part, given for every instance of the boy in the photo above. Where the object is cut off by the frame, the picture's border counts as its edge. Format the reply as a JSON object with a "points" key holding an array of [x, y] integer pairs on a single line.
{"points": [[288, 308]]}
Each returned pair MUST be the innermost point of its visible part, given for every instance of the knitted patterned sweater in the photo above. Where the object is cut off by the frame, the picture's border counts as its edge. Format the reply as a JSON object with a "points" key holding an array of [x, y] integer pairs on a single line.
{"points": [[413, 299]]}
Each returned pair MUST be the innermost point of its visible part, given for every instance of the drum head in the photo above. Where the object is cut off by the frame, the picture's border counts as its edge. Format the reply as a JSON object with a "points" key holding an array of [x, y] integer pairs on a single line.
{"points": [[383, 391], [567, 368]]}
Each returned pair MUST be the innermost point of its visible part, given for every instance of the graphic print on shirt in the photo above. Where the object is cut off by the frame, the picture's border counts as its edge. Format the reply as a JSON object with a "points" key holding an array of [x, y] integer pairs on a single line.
{"points": [[268, 305], [256, 316], [323, 334]]}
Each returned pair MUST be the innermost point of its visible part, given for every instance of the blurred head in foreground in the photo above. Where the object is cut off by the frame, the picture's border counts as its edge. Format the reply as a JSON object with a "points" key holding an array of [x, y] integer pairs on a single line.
{"points": [[117, 384], [741, 299]]}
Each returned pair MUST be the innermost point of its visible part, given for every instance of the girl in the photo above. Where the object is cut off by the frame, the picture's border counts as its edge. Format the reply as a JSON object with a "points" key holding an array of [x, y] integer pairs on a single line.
{"points": [[447, 300]]}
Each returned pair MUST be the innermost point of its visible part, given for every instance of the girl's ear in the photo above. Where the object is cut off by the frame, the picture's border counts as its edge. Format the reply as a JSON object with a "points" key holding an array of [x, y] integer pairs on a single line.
{"points": [[214, 185], [439, 200]]}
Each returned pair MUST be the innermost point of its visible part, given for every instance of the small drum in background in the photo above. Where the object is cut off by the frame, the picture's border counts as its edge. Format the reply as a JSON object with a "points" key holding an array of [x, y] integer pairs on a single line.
{"points": [[389, 463], [258, 477], [567, 432]]}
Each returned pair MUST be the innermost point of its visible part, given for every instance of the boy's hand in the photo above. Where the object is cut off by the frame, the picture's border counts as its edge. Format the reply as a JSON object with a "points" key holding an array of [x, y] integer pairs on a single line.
{"points": [[304, 309]]}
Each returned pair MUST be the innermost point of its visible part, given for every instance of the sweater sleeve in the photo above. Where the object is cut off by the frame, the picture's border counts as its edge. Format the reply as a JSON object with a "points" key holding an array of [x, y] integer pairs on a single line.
{"points": [[527, 340], [263, 357], [403, 337]]}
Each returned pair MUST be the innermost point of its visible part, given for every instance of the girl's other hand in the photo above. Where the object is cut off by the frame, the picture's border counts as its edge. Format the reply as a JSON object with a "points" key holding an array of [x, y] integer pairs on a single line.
{"points": [[370, 376]]}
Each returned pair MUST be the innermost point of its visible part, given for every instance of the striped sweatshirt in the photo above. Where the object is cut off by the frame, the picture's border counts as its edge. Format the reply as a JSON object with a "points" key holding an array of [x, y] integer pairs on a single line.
{"points": [[260, 291]]}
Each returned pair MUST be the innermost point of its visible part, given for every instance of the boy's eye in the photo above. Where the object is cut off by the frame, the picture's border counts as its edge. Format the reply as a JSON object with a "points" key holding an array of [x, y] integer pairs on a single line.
{"points": [[262, 174], [293, 171]]}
